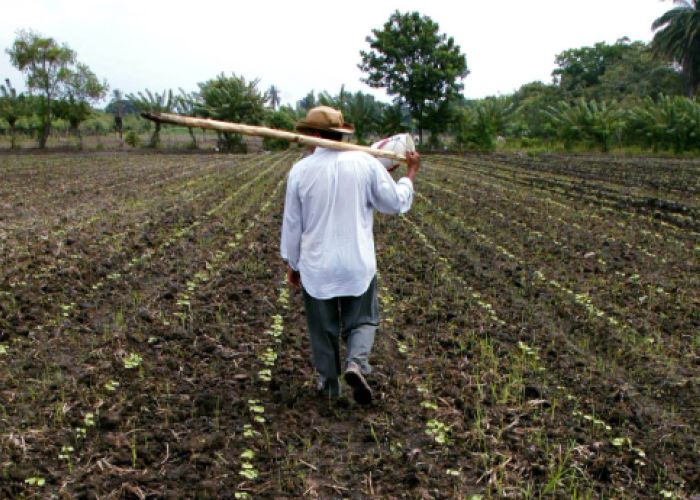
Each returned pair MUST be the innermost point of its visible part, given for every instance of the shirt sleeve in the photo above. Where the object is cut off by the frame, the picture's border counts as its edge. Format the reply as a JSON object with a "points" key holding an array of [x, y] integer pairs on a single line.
{"points": [[290, 244], [387, 196]]}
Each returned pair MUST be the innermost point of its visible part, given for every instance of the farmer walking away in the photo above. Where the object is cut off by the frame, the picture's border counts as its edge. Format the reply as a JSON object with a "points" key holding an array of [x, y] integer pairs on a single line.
{"points": [[328, 244]]}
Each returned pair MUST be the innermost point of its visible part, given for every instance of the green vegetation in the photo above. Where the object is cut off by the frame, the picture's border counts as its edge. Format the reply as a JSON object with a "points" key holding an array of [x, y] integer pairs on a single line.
{"points": [[678, 39], [621, 96], [412, 60]]}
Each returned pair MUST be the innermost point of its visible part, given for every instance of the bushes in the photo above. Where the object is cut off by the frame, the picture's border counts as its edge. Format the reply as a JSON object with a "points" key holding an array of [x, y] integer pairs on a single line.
{"points": [[282, 120]]}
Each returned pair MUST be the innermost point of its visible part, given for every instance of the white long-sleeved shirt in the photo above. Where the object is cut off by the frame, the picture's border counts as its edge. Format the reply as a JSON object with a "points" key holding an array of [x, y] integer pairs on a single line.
{"points": [[328, 216]]}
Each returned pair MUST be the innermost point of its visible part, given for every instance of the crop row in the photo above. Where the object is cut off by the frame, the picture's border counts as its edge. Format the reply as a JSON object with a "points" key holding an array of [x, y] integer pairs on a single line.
{"points": [[133, 359], [496, 273]]}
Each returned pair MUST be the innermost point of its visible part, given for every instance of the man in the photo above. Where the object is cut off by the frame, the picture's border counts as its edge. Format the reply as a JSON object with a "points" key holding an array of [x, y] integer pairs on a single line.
{"points": [[328, 244]]}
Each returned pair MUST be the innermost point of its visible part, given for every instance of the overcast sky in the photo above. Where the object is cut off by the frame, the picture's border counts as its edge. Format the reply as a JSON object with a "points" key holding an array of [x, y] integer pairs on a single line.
{"points": [[313, 45]]}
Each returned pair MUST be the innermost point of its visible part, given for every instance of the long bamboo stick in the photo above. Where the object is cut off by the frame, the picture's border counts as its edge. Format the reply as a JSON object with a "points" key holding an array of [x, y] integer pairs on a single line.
{"points": [[239, 128]]}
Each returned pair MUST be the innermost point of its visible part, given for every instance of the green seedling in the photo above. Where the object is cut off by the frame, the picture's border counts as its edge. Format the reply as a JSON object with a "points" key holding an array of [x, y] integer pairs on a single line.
{"points": [[265, 375], [429, 405], [3, 348], [89, 420], [111, 386], [133, 360], [66, 455], [248, 471], [437, 430], [35, 481], [248, 431]]}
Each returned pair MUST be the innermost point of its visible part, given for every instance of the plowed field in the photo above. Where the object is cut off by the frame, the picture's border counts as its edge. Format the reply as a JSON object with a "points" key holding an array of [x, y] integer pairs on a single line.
{"points": [[540, 333]]}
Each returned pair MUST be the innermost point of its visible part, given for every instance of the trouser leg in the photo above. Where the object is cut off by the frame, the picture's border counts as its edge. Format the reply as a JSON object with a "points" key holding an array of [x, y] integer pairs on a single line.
{"points": [[323, 321], [360, 319]]}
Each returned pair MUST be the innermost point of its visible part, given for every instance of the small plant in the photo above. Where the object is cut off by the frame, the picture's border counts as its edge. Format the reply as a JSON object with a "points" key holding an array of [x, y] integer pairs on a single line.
{"points": [[35, 481], [66, 455], [133, 360], [132, 139], [437, 430], [112, 385]]}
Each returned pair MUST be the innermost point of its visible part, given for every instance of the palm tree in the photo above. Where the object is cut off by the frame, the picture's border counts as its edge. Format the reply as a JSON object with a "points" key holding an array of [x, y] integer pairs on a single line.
{"points": [[678, 38], [186, 103], [156, 103], [273, 96]]}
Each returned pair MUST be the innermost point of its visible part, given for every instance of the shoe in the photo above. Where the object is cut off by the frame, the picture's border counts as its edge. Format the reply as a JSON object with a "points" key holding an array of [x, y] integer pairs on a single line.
{"points": [[328, 386], [361, 391]]}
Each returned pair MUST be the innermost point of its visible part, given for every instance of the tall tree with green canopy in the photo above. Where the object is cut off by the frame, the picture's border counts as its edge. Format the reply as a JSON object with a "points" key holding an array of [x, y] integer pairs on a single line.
{"points": [[233, 99], [413, 61], [81, 89], [678, 38], [13, 106], [621, 70], [47, 66]]}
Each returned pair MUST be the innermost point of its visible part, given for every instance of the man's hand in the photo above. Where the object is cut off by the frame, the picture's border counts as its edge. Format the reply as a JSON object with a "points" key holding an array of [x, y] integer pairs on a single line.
{"points": [[413, 160], [293, 278]]}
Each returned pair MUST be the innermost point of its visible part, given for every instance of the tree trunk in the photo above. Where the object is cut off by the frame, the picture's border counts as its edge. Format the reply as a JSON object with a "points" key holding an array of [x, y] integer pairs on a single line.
{"points": [[76, 131], [13, 135], [155, 138], [194, 139], [119, 124], [46, 126]]}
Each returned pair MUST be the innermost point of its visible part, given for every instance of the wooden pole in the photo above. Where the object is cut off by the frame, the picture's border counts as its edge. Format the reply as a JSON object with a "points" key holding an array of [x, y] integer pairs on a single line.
{"points": [[239, 128]]}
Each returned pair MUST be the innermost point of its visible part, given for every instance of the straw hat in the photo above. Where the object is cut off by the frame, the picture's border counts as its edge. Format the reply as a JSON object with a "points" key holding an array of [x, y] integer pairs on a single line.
{"points": [[325, 118]]}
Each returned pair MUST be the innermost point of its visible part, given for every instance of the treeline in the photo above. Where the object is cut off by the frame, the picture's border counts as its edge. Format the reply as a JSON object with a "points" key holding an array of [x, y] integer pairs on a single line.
{"points": [[629, 94], [601, 97]]}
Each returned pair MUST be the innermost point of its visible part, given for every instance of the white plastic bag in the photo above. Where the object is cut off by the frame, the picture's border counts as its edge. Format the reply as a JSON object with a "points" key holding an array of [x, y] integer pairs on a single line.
{"points": [[399, 143]]}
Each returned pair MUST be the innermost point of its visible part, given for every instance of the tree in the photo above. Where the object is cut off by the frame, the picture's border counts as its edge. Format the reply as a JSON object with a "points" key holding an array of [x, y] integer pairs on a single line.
{"points": [[638, 73], [155, 103], [479, 124], [620, 71], [364, 112], [665, 123], [81, 89], [47, 66], [306, 103], [187, 103], [529, 103], [118, 108], [13, 106], [233, 99], [394, 119], [361, 110], [273, 96], [678, 38], [414, 62]]}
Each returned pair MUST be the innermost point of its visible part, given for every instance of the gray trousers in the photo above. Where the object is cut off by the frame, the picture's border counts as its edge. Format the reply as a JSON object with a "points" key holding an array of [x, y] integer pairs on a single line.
{"points": [[355, 319]]}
